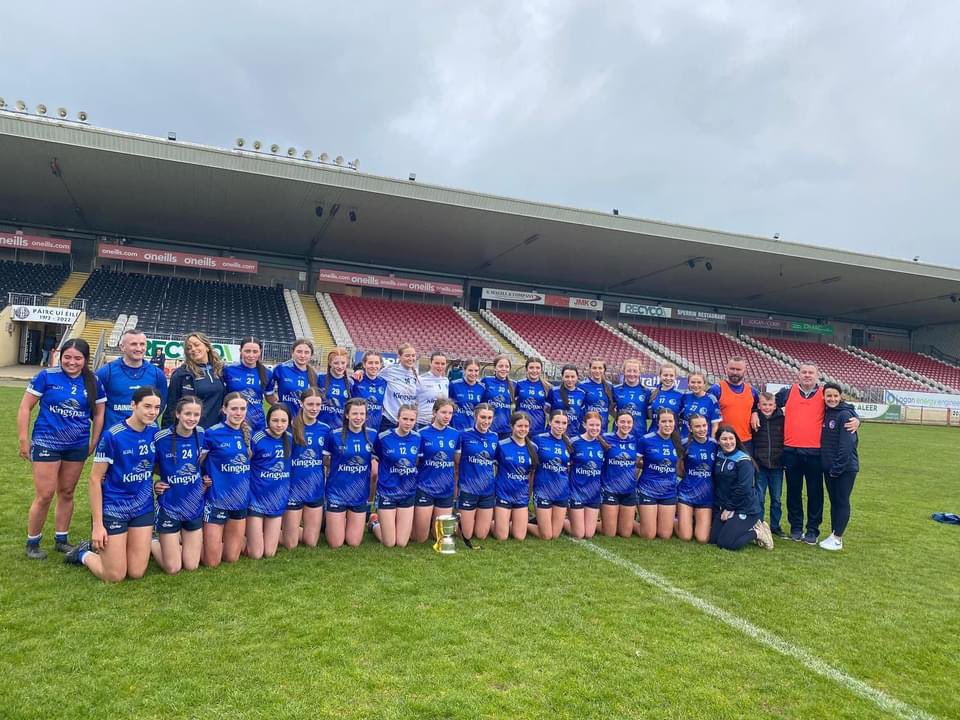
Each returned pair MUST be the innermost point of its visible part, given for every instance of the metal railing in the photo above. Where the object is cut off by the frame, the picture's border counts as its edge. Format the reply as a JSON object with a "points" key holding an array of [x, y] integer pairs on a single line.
{"points": [[45, 300]]}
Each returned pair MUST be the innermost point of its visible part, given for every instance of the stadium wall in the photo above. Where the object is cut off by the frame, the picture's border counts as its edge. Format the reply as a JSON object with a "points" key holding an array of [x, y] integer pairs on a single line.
{"points": [[944, 337]]}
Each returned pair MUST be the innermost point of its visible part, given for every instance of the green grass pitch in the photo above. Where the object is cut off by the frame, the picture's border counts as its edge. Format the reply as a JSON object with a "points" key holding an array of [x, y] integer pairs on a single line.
{"points": [[512, 630]]}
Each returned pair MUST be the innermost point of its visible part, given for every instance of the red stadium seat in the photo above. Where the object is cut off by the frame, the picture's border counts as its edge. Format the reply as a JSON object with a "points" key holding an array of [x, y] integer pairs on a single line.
{"points": [[923, 365]]}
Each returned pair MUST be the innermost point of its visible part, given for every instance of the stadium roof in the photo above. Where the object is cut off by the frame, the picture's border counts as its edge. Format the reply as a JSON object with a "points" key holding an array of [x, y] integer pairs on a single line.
{"points": [[133, 185]]}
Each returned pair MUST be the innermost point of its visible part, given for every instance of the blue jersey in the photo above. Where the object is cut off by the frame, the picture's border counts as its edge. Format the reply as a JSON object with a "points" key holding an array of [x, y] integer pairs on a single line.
{"points": [[269, 474], [307, 479], [574, 407], [63, 422], [227, 464], [478, 453], [372, 390], [514, 463], [237, 377], [497, 393], [350, 457], [551, 481], [634, 399], [597, 400], [178, 465], [532, 398], [119, 382], [671, 399], [696, 487], [397, 469], [586, 468], [288, 382], [128, 483], [335, 396], [466, 397], [659, 477], [620, 464], [708, 406], [437, 451]]}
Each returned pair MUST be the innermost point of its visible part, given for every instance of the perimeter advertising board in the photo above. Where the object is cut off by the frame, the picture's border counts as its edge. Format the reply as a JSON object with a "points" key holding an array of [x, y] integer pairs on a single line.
{"points": [[390, 282], [538, 298], [175, 257]]}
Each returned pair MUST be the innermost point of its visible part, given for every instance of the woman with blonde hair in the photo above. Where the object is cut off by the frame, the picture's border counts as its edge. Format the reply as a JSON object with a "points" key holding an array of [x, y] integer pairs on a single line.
{"points": [[200, 375], [335, 385], [293, 376]]}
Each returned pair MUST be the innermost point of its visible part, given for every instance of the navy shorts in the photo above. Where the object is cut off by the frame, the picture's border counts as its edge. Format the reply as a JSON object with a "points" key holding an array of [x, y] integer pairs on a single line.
{"points": [[579, 505], [469, 501], [695, 505], [219, 516], [627, 499], [502, 503], [546, 503], [395, 503], [38, 453], [257, 514], [334, 507], [118, 526], [424, 498], [643, 499], [166, 525], [298, 505]]}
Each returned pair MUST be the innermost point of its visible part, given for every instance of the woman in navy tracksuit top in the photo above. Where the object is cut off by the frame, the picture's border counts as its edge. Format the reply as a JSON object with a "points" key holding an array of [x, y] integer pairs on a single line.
{"points": [[736, 507], [838, 456]]}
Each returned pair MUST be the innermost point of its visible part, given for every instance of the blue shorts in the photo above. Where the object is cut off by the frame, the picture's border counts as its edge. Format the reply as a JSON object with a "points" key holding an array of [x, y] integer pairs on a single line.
{"points": [[257, 514], [578, 505], [502, 503], [423, 499], [469, 501], [395, 503], [545, 503], [695, 505], [118, 526], [38, 453], [643, 499], [166, 525], [333, 507], [298, 505], [219, 516], [627, 499]]}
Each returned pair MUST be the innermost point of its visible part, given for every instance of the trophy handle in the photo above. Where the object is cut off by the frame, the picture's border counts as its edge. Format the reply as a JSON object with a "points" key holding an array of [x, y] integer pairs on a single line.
{"points": [[438, 534]]}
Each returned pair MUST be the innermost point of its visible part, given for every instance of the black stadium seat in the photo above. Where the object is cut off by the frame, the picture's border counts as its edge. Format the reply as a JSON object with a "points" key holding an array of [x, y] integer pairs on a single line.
{"points": [[30, 278]]}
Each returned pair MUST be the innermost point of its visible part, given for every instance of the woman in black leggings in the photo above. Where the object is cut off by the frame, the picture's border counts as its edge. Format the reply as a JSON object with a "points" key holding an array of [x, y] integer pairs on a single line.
{"points": [[736, 508]]}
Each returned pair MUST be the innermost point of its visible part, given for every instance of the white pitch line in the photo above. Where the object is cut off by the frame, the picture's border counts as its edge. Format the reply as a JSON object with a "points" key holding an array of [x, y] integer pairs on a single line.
{"points": [[879, 698]]}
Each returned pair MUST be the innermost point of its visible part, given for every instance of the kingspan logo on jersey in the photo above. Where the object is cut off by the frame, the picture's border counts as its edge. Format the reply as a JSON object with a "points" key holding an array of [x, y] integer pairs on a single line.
{"points": [[589, 469], [239, 463], [662, 467], [276, 472], [187, 473], [307, 459], [143, 471], [404, 467], [355, 465], [623, 460], [69, 408], [481, 458], [555, 465], [439, 461]]}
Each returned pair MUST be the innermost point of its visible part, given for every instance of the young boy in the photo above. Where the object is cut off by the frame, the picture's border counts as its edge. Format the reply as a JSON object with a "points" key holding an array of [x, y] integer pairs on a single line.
{"points": [[768, 452]]}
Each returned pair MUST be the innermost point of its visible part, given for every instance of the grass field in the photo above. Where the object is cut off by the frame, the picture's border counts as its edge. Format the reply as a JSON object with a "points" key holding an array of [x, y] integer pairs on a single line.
{"points": [[512, 630]]}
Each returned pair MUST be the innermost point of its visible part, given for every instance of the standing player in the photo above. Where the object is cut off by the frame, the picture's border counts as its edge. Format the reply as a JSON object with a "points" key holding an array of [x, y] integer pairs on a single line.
{"points": [[499, 394], [293, 376], [599, 392], [436, 477], [466, 393], [269, 483], [371, 387], [551, 480], [127, 373], [250, 378], [662, 454], [336, 388], [476, 474], [632, 396], [665, 395], [695, 492], [71, 403], [516, 462], [586, 467], [353, 467], [532, 395], [698, 401], [737, 400], [403, 384], [570, 398], [121, 495], [201, 376], [397, 453], [433, 385], [618, 480], [180, 490], [304, 514]]}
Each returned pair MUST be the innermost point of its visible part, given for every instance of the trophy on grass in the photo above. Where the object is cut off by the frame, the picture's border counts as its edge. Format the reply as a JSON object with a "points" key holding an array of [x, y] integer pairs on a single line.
{"points": [[444, 527]]}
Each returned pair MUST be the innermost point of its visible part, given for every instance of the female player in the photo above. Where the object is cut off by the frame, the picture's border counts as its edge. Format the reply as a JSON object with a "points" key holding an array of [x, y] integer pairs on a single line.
{"points": [[436, 477], [433, 385], [293, 376], [499, 394], [665, 395], [397, 452], [304, 513], [533, 395], [269, 483], [403, 382], [570, 398], [697, 401], [586, 467], [662, 454], [352, 469], [71, 403], [250, 378], [516, 462], [226, 465], [736, 507], [121, 495], [371, 387], [180, 490], [695, 491], [200, 375], [551, 480], [618, 480], [476, 473], [838, 456], [336, 388], [633, 397], [466, 393], [599, 392]]}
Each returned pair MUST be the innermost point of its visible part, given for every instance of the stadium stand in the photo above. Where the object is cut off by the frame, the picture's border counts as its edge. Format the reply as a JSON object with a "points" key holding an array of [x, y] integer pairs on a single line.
{"points": [[937, 370], [709, 351], [30, 278], [175, 306], [377, 324], [844, 366]]}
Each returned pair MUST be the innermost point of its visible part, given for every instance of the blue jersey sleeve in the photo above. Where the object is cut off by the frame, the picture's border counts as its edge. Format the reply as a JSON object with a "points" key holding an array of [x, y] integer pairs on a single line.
{"points": [[714, 390], [38, 385], [105, 449]]}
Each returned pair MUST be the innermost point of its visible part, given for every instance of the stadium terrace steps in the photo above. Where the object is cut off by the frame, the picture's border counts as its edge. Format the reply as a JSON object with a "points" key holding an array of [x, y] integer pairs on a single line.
{"points": [[514, 338], [650, 359], [383, 325], [319, 330], [944, 377], [332, 317], [298, 320], [496, 338], [664, 354], [71, 286], [92, 330]]}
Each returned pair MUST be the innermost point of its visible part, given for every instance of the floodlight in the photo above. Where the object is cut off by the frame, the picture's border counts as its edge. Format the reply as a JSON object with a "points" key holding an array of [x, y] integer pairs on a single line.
{"points": [[82, 116], [412, 177], [274, 148], [352, 215], [21, 106], [355, 164], [291, 151], [41, 109], [308, 154], [616, 211], [61, 112], [339, 160], [240, 142], [708, 265], [257, 144], [3, 103], [324, 157]]}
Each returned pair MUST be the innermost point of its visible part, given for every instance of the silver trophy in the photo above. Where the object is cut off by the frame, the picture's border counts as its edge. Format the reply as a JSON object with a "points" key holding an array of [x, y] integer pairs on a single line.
{"points": [[444, 528]]}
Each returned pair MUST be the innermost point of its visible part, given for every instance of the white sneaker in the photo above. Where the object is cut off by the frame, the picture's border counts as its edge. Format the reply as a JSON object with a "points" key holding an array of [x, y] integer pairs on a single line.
{"points": [[764, 537], [832, 543]]}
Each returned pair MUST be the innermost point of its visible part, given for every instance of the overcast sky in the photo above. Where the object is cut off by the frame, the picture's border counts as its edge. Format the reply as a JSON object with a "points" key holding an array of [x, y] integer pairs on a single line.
{"points": [[832, 123]]}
